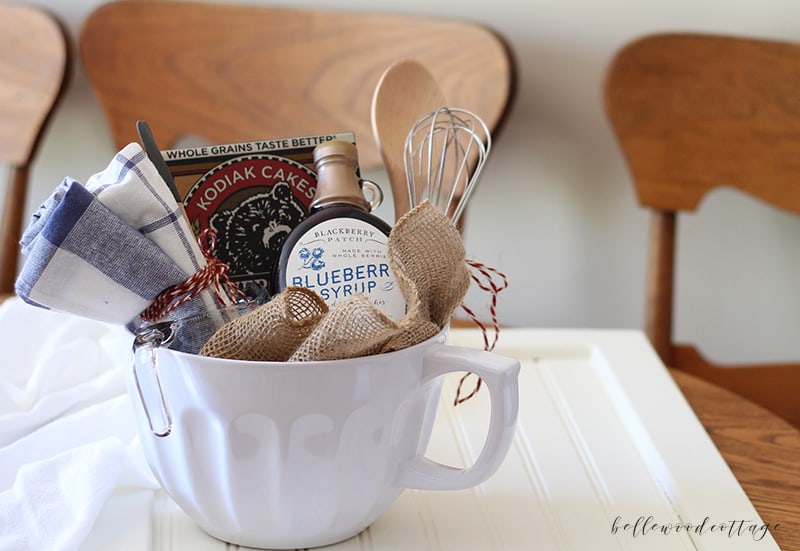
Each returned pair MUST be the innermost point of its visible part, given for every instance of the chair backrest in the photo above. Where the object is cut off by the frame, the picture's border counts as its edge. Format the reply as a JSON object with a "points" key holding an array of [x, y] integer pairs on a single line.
{"points": [[34, 67], [693, 112], [226, 73]]}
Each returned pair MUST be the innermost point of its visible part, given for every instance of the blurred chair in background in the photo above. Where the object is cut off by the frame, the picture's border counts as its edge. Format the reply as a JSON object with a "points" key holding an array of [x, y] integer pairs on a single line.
{"points": [[692, 112], [218, 73], [229, 73], [34, 69]]}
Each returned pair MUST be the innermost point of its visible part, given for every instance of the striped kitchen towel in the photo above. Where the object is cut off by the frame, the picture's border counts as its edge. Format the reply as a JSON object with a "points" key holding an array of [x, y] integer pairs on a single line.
{"points": [[86, 260], [107, 249]]}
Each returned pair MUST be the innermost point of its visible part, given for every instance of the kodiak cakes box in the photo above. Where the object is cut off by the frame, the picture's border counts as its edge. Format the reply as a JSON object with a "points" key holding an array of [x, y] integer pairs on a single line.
{"points": [[252, 194]]}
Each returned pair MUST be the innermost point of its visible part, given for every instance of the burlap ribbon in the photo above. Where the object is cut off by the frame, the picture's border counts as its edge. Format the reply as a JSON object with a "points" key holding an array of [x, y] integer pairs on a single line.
{"points": [[428, 258]]}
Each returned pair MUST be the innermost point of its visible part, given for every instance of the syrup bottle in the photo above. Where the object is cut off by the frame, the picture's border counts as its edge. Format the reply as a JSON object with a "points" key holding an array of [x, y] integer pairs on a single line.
{"points": [[341, 248]]}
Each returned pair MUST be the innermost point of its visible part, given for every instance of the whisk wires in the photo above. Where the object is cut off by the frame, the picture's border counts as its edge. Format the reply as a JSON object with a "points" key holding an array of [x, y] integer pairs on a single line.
{"points": [[444, 155]]}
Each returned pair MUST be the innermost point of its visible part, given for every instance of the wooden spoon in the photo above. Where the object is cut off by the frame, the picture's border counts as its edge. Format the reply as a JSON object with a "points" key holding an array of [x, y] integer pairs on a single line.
{"points": [[405, 93]]}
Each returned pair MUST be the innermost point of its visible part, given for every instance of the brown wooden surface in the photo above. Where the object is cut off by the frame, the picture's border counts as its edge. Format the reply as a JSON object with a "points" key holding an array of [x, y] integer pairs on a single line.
{"points": [[660, 262], [11, 217], [762, 450], [693, 112], [774, 385], [34, 66], [227, 73]]}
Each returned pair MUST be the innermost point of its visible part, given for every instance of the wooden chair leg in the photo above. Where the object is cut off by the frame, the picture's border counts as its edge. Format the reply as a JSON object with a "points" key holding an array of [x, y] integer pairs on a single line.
{"points": [[658, 308], [11, 227]]}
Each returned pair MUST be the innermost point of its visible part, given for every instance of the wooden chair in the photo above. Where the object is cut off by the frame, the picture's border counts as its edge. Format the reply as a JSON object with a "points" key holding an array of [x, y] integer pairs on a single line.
{"points": [[34, 68], [692, 112], [228, 73]]}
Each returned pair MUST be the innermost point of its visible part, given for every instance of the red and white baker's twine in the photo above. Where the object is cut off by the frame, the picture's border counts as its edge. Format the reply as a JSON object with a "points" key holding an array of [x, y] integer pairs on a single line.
{"points": [[492, 281], [214, 276]]}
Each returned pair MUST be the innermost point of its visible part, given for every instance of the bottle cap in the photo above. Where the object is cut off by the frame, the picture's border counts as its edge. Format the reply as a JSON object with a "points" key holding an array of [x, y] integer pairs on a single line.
{"points": [[337, 181]]}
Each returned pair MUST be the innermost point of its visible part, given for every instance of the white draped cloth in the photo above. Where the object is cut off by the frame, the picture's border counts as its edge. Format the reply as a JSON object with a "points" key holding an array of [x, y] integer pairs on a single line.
{"points": [[67, 431]]}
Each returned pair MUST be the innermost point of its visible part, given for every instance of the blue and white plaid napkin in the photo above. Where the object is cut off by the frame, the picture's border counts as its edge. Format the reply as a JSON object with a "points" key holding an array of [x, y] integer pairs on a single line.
{"points": [[86, 260], [106, 250], [133, 189]]}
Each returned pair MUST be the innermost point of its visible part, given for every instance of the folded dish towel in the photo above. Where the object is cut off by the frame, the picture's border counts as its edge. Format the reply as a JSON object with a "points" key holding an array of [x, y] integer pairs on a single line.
{"points": [[105, 250], [67, 431], [86, 260], [132, 188]]}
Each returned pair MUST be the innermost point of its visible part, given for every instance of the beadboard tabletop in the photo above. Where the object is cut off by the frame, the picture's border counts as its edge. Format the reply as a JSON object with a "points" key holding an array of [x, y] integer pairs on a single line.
{"points": [[608, 454]]}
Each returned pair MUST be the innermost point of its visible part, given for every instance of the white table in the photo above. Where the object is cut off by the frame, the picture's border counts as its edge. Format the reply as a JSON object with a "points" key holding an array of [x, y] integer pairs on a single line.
{"points": [[607, 455]]}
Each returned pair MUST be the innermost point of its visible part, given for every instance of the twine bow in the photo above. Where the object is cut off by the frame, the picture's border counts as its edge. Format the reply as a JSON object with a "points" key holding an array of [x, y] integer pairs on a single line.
{"points": [[214, 276]]}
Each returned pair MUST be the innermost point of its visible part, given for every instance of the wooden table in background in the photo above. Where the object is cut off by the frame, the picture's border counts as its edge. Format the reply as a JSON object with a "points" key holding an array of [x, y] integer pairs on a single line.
{"points": [[762, 450]]}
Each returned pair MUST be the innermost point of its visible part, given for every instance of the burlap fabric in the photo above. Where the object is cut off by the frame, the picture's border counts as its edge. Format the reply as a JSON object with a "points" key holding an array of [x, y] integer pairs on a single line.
{"points": [[428, 258]]}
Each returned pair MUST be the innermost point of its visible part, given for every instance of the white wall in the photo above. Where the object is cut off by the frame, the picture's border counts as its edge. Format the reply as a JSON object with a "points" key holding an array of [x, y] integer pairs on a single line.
{"points": [[555, 209]]}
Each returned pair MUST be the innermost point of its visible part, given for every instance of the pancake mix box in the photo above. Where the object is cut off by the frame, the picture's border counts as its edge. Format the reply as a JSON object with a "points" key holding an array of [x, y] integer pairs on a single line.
{"points": [[252, 194]]}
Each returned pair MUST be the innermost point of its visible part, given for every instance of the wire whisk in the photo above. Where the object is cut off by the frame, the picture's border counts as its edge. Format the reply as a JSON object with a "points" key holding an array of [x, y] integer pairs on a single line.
{"points": [[445, 153]]}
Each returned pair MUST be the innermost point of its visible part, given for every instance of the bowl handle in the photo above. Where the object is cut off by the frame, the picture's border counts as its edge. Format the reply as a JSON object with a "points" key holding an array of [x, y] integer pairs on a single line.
{"points": [[148, 381], [500, 374]]}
